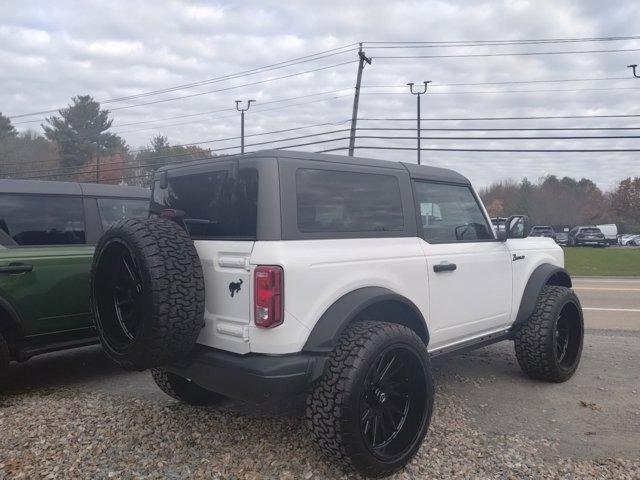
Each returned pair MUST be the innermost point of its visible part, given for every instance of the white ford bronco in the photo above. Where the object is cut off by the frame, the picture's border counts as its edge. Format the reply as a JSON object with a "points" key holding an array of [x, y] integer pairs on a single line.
{"points": [[278, 273]]}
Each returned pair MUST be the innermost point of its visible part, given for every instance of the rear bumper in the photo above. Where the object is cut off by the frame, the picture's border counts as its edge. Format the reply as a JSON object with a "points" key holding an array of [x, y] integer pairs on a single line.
{"points": [[253, 377]]}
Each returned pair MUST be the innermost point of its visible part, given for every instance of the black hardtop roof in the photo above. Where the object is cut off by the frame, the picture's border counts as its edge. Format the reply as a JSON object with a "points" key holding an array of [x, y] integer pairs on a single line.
{"points": [[422, 172], [41, 187]]}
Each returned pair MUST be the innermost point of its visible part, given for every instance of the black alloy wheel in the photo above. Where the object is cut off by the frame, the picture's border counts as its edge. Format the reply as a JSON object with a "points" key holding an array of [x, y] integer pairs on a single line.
{"points": [[372, 407], [568, 336], [390, 414], [121, 294]]}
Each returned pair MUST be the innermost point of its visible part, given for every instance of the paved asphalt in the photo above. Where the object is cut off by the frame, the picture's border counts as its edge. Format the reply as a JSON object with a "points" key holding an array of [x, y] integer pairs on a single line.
{"points": [[609, 303]]}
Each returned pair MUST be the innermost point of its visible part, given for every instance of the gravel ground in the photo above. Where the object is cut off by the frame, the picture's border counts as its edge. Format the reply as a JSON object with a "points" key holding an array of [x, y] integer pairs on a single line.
{"points": [[79, 430]]}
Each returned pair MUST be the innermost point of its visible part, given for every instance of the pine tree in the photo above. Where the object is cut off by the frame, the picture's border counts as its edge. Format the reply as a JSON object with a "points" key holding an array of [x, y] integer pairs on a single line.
{"points": [[81, 131], [6, 128]]}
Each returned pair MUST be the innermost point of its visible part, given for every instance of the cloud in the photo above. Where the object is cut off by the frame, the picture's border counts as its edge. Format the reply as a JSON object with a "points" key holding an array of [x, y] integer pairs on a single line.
{"points": [[51, 52]]}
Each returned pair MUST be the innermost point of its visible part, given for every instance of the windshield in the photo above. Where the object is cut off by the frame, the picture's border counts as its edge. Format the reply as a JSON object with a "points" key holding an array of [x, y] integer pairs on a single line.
{"points": [[591, 230], [215, 205]]}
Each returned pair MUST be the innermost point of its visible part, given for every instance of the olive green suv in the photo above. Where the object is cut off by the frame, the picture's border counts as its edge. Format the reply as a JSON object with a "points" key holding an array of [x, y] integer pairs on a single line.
{"points": [[48, 231]]}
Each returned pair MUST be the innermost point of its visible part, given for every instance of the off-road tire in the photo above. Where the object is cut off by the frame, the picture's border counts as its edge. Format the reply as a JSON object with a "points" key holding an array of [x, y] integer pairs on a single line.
{"points": [[5, 359], [171, 314], [332, 414], [184, 390], [536, 340]]}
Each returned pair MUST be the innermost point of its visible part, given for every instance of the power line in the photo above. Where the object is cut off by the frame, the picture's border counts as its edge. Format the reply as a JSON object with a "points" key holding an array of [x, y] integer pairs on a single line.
{"points": [[263, 69], [255, 112], [509, 150], [207, 158], [182, 97], [191, 153], [540, 117], [482, 92], [193, 144], [512, 54], [530, 137], [512, 41], [508, 82], [497, 129]]}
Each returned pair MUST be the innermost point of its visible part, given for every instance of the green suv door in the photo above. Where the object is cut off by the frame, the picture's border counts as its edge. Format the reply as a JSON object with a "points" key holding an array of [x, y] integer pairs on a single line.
{"points": [[47, 285]]}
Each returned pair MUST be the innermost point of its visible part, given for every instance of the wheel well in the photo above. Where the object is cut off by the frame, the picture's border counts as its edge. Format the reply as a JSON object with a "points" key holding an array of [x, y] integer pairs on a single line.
{"points": [[8, 326], [560, 279], [394, 311]]}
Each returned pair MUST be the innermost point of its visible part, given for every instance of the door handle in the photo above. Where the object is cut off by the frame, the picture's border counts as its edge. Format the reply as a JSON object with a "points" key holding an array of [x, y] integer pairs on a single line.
{"points": [[16, 268], [444, 267]]}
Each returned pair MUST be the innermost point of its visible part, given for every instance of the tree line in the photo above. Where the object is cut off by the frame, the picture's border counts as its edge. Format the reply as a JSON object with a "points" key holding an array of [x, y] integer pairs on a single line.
{"points": [[77, 141], [566, 202]]}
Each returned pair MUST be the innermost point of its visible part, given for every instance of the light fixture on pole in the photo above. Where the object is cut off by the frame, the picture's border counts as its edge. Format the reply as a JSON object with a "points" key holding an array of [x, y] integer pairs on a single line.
{"points": [[418, 94], [242, 110]]}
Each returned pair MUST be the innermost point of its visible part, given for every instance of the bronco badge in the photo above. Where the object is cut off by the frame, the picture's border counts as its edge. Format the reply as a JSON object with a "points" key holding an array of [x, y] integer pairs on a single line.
{"points": [[234, 287]]}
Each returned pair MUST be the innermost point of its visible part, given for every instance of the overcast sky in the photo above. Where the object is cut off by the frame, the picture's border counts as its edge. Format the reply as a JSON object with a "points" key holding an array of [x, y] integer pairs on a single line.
{"points": [[51, 51]]}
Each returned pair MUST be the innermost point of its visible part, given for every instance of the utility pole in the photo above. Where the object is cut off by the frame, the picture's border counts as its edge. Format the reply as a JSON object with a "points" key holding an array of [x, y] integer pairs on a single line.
{"points": [[633, 67], [356, 99], [242, 110], [418, 94], [97, 163]]}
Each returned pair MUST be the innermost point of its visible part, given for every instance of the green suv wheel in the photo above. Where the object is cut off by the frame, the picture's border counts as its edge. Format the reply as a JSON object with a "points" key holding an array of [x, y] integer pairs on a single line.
{"points": [[5, 358]]}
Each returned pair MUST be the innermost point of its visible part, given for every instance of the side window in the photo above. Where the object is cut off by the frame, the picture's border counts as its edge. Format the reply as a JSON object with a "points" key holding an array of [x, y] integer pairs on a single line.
{"points": [[113, 210], [339, 201], [42, 220], [450, 213]]}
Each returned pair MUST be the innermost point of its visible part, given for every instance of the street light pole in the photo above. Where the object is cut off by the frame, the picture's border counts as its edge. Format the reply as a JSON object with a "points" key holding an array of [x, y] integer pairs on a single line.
{"points": [[418, 94], [242, 110]]}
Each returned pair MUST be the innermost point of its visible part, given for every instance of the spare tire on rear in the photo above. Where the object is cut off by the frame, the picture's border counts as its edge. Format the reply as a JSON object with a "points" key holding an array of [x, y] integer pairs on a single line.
{"points": [[147, 293]]}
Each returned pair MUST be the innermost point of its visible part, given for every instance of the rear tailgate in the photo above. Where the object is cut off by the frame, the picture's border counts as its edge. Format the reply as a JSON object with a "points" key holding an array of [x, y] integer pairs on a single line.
{"points": [[227, 277]]}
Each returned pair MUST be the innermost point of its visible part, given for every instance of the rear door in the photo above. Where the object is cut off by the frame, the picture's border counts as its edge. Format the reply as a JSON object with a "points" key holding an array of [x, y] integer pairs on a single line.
{"points": [[44, 273], [469, 271], [220, 214]]}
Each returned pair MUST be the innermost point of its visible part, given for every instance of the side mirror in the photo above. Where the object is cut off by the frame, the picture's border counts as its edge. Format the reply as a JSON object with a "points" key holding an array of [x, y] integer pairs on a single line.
{"points": [[517, 226]]}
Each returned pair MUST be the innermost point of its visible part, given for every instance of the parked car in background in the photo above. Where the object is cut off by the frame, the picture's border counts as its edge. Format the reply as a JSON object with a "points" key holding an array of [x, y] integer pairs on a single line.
{"points": [[610, 232], [587, 235], [562, 238], [542, 231], [629, 240], [48, 231]]}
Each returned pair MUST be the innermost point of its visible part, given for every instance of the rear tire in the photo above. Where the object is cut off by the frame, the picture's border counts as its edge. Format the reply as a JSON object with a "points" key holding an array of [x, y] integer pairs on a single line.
{"points": [[184, 389], [372, 407], [549, 345], [5, 359], [147, 293]]}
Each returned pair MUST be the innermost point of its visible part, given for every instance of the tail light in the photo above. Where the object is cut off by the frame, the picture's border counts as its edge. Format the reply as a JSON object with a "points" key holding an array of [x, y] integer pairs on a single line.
{"points": [[268, 296]]}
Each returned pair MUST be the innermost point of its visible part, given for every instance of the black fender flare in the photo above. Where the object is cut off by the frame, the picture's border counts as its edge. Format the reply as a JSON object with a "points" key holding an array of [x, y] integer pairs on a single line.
{"points": [[336, 318], [545, 274]]}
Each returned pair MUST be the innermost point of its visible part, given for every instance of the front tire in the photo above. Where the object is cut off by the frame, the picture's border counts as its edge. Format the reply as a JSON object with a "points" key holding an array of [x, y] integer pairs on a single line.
{"points": [[549, 345], [372, 407], [184, 389]]}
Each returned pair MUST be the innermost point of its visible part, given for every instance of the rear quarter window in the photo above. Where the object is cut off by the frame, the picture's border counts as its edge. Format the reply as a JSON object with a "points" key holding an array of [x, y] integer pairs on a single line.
{"points": [[112, 210], [213, 205], [342, 202]]}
